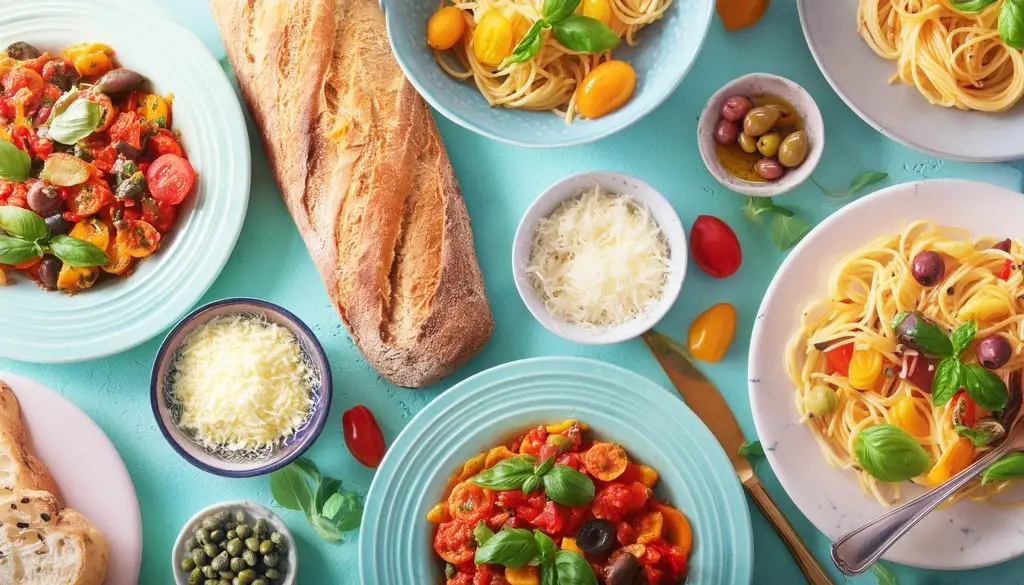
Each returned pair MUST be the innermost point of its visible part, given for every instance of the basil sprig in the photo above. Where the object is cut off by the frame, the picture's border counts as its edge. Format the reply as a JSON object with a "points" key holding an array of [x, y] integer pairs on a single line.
{"points": [[978, 437], [575, 32], [28, 238], [78, 121], [328, 509], [15, 164], [784, 228], [517, 547], [971, 5], [888, 453], [563, 484], [1011, 18], [1007, 467], [951, 373]]}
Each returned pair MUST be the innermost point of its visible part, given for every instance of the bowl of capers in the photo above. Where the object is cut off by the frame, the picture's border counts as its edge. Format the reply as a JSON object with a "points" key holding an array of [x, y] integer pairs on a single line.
{"points": [[761, 135], [234, 543]]}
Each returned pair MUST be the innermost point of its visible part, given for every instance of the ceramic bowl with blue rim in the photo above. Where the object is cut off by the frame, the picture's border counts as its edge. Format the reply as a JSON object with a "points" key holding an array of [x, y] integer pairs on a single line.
{"points": [[664, 54], [653, 425], [221, 461]]}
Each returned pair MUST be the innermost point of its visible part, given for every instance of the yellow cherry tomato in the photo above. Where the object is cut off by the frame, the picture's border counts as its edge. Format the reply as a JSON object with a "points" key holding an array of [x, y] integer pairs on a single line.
{"points": [[445, 28], [909, 418], [865, 368], [598, 9], [92, 230], [493, 39], [956, 459], [711, 332], [605, 89]]}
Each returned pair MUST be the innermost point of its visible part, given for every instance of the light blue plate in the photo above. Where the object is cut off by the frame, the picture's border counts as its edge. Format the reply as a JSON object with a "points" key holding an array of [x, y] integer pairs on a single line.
{"points": [[665, 52], [654, 425], [118, 314]]}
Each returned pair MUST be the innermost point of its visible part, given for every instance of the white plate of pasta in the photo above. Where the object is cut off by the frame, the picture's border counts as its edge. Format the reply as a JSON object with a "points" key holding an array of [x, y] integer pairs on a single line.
{"points": [[895, 365], [941, 80]]}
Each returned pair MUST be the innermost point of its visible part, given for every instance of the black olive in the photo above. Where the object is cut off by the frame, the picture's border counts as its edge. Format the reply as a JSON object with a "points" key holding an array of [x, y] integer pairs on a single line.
{"points": [[622, 571], [58, 225], [1004, 246], [49, 270], [45, 199], [119, 80], [22, 51], [994, 351], [595, 537], [928, 268], [126, 150]]}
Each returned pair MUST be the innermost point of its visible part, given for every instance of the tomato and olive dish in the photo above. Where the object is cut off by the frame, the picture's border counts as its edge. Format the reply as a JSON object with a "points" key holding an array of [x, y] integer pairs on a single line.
{"points": [[556, 505], [91, 173]]}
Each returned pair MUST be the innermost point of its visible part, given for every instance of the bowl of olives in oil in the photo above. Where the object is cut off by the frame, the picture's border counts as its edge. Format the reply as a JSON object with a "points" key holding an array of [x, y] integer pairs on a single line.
{"points": [[761, 135]]}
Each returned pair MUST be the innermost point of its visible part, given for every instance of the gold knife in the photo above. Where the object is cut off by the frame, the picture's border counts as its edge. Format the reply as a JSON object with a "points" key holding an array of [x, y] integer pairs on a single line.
{"points": [[707, 402]]}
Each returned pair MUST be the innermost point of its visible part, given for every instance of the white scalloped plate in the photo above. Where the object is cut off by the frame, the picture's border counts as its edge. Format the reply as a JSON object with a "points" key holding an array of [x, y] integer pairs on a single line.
{"points": [[118, 314], [966, 535]]}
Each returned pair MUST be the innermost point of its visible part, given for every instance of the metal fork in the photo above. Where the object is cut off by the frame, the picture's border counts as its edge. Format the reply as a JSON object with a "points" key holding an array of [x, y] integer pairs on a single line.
{"points": [[856, 550]]}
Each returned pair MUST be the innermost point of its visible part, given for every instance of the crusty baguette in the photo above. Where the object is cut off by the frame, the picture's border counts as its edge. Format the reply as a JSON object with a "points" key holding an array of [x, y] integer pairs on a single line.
{"points": [[45, 545], [364, 174], [18, 467]]}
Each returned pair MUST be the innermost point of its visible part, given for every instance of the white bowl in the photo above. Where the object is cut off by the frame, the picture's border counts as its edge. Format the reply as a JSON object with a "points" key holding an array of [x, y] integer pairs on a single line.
{"points": [[290, 560], [568, 188], [754, 84]]}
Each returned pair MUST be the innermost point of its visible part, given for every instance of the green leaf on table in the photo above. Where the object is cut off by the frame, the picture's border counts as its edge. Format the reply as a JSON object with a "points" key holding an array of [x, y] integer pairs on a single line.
{"points": [[15, 164], [349, 511], [325, 490], [751, 449], [787, 231], [755, 207], [309, 468], [325, 528], [884, 574], [859, 182], [290, 490]]}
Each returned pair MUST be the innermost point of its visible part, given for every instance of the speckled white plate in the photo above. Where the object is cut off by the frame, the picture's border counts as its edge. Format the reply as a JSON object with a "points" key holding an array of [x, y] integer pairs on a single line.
{"points": [[88, 470], [118, 314], [964, 536], [898, 110]]}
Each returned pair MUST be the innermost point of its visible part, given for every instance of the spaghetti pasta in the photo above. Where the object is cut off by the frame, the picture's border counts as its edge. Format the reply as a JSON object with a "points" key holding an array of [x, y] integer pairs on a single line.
{"points": [[548, 80], [867, 289], [954, 58]]}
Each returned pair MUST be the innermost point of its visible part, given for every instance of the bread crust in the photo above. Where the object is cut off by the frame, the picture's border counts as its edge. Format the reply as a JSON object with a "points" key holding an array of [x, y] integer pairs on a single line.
{"points": [[22, 468], [366, 178]]}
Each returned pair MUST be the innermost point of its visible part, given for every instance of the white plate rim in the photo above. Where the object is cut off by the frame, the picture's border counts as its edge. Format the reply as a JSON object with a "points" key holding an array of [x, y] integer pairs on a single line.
{"points": [[766, 370]]}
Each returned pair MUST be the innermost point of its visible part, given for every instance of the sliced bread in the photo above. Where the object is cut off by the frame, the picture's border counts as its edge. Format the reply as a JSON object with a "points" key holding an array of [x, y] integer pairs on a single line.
{"points": [[17, 466]]}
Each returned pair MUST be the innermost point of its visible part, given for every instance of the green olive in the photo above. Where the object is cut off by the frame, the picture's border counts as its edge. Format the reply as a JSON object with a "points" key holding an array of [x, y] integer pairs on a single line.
{"points": [[821, 400], [760, 121], [243, 530], [747, 143], [793, 150], [221, 561], [195, 576], [787, 117], [768, 144]]}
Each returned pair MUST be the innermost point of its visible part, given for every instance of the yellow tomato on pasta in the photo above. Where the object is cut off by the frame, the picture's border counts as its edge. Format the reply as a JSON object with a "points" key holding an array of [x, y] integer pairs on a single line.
{"points": [[445, 28], [598, 9], [865, 368], [605, 89], [492, 39]]}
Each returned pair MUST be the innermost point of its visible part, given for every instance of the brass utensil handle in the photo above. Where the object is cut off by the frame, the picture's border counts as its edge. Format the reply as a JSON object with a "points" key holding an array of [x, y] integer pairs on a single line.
{"points": [[804, 559]]}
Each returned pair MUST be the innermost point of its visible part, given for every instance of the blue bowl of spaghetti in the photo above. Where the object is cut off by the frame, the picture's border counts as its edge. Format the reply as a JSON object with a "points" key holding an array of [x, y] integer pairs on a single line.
{"points": [[661, 48]]}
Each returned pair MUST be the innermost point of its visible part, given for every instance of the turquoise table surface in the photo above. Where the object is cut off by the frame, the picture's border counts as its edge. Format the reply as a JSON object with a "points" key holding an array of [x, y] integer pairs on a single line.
{"points": [[499, 182]]}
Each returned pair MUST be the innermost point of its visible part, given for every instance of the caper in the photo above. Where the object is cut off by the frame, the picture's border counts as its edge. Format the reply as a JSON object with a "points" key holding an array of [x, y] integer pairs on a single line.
{"points": [[211, 582], [247, 576], [249, 557], [237, 564], [217, 535], [231, 535], [266, 546], [210, 549], [234, 547], [191, 543], [271, 559], [209, 573], [244, 531], [224, 581], [747, 143], [203, 536], [259, 581], [222, 545], [230, 525], [272, 574], [199, 557], [221, 561], [793, 150], [760, 121], [276, 537], [787, 117], [240, 516], [195, 576], [821, 400], [252, 543], [768, 144], [227, 575], [211, 523], [187, 564], [261, 527]]}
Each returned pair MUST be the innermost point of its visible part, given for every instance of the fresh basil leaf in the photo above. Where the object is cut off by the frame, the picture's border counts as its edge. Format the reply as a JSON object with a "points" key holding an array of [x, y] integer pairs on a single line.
{"points": [[948, 379], [971, 5], [830, 193], [751, 448], [978, 437], [963, 336], [986, 388], [544, 466], [75, 252], [309, 468], [531, 484], [568, 487], [15, 164], [545, 546], [482, 533], [866, 178], [530, 44], [558, 10], [332, 506], [786, 231], [324, 490], [888, 453], [75, 123], [924, 335], [573, 569], [326, 529], [350, 511], [290, 489], [62, 104], [755, 207], [509, 474], [17, 250], [548, 574], [585, 35], [884, 574], [1006, 467], [512, 547], [1011, 23], [22, 223]]}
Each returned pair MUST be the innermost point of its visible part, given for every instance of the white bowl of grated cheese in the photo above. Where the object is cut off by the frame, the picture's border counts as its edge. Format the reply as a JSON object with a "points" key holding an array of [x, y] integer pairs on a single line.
{"points": [[599, 257]]}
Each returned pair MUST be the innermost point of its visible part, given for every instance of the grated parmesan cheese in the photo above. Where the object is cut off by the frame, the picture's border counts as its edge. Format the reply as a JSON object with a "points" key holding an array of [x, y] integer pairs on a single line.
{"points": [[599, 260], [241, 383]]}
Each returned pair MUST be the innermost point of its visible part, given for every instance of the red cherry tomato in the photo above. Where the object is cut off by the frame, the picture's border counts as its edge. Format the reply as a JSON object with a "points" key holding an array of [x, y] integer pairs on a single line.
{"points": [[363, 436], [839, 358], [170, 178], [714, 246]]}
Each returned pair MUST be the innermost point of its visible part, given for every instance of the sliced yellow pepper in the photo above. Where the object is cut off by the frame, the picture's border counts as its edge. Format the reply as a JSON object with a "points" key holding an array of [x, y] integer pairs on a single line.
{"points": [[473, 466], [711, 333], [497, 455], [522, 576], [566, 425], [438, 513], [909, 418], [959, 455], [648, 475], [570, 544]]}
